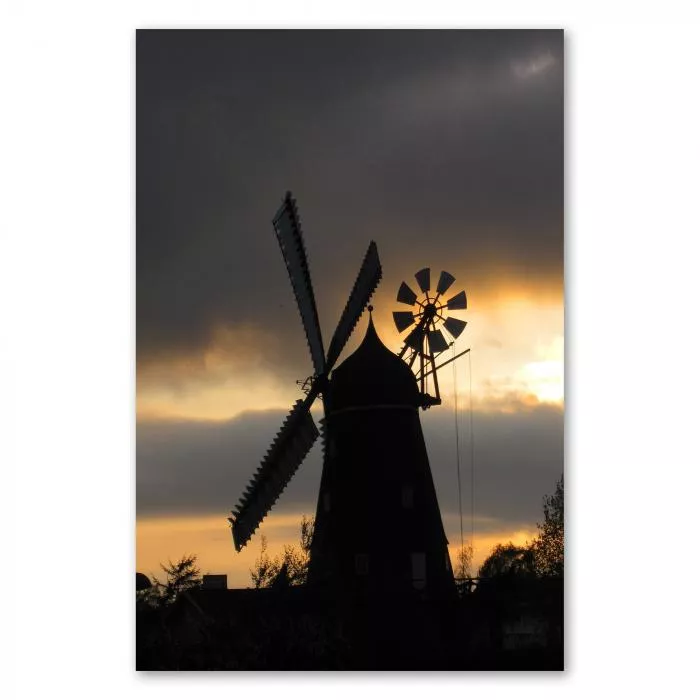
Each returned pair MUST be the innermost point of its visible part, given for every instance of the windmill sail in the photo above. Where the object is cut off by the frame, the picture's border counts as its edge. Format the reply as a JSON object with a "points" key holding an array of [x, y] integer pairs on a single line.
{"points": [[288, 229], [406, 295], [298, 432], [454, 326], [293, 442], [423, 279], [458, 301], [437, 342], [445, 282], [403, 319], [365, 284]]}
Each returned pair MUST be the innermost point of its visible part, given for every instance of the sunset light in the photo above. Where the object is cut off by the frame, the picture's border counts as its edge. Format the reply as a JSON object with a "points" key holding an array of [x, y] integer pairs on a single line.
{"points": [[350, 345]]}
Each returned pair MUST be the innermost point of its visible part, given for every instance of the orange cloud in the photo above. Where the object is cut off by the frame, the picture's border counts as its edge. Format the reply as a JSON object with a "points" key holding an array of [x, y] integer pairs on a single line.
{"points": [[517, 357]]}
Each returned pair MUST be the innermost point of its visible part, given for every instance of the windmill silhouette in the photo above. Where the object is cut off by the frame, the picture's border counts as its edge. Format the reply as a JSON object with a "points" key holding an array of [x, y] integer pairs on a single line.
{"points": [[378, 526]]}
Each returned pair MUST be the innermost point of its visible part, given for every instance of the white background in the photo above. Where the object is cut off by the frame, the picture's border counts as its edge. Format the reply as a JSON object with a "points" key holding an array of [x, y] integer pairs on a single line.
{"points": [[67, 346]]}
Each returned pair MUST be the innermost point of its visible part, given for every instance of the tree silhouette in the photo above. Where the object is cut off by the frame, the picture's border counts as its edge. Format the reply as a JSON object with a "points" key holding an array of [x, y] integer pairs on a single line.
{"points": [[509, 560], [544, 556], [265, 569], [465, 556], [181, 576], [548, 546], [291, 568]]}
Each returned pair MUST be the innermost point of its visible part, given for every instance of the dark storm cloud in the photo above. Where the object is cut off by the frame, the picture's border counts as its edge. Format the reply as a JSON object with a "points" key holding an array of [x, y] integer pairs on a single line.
{"points": [[189, 467], [200, 467], [437, 144]]}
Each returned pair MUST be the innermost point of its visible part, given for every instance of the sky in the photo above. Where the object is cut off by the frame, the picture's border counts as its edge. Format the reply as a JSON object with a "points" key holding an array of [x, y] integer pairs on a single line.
{"points": [[446, 148]]}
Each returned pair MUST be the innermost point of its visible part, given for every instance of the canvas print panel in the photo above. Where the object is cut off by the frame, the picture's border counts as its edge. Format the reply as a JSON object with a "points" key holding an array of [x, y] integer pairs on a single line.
{"points": [[350, 346]]}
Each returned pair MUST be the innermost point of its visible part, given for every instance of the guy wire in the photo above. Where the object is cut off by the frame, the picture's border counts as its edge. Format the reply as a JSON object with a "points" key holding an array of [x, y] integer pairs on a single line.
{"points": [[459, 476], [471, 442]]}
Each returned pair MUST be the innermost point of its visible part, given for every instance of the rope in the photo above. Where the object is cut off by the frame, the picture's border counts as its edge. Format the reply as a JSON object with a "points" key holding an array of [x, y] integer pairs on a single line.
{"points": [[459, 475], [471, 442]]}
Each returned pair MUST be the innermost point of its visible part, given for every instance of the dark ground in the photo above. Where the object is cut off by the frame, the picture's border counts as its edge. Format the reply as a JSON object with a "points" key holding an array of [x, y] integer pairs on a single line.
{"points": [[502, 626]]}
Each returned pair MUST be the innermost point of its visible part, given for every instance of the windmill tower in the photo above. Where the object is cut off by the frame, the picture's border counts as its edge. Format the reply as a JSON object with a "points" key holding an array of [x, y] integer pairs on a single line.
{"points": [[378, 525]]}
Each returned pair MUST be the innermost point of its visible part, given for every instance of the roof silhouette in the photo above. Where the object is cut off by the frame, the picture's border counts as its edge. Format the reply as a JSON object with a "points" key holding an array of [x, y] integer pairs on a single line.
{"points": [[373, 375]]}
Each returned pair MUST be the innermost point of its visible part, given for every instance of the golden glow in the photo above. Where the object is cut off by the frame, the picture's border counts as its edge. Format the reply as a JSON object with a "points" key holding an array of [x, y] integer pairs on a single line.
{"points": [[517, 357], [517, 353], [545, 380], [214, 403], [159, 539], [542, 379], [230, 376], [485, 543]]}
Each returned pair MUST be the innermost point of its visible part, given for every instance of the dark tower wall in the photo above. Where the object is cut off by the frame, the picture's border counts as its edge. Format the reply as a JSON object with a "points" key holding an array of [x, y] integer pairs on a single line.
{"points": [[378, 524]]}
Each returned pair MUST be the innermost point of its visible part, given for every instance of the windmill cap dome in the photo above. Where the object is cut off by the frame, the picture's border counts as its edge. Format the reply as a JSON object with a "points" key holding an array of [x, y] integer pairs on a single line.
{"points": [[372, 376]]}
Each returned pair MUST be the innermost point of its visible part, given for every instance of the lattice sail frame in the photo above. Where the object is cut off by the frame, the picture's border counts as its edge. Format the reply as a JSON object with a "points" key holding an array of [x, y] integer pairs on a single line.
{"points": [[299, 432]]}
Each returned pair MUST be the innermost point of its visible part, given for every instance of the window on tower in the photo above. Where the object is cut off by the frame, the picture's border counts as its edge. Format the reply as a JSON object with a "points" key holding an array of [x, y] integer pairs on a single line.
{"points": [[361, 564], [407, 496], [418, 570]]}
